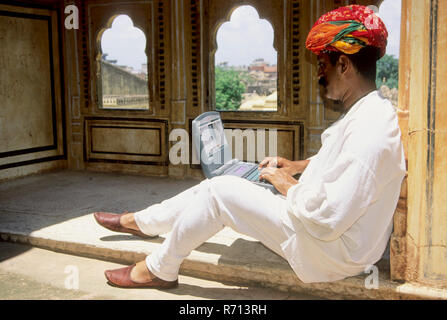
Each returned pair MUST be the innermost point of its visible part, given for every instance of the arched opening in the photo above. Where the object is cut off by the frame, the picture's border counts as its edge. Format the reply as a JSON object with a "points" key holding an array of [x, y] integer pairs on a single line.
{"points": [[390, 11], [245, 71], [123, 76], [387, 79]]}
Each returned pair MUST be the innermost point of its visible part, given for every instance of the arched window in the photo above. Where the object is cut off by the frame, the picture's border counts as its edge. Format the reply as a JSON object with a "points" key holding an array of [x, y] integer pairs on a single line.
{"points": [[245, 71], [388, 67], [123, 67]]}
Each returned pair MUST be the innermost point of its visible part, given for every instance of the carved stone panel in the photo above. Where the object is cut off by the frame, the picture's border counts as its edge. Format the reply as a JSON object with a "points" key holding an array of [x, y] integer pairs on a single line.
{"points": [[129, 141], [30, 93]]}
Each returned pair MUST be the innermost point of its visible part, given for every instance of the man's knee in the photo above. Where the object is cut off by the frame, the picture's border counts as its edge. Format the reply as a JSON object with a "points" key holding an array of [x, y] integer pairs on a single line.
{"points": [[228, 188], [225, 181]]}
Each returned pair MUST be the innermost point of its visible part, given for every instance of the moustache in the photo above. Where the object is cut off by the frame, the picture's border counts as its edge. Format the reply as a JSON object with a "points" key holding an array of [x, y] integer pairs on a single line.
{"points": [[323, 82]]}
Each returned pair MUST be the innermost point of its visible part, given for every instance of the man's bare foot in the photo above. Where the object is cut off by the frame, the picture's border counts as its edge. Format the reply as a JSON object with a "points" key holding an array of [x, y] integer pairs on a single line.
{"points": [[128, 221], [140, 273]]}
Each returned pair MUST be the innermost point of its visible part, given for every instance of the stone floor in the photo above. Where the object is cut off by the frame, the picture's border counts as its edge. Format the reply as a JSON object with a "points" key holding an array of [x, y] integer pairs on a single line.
{"points": [[53, 211], [59, 276]]}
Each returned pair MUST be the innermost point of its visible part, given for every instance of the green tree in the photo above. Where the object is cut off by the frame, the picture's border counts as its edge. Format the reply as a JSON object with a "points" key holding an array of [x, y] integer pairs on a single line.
{"points": [[388, 69], [229, 89]]}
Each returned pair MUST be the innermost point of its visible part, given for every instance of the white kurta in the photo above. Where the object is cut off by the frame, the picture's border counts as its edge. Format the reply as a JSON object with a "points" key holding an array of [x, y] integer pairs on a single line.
{"points": [[333, 224], [341, 211]]}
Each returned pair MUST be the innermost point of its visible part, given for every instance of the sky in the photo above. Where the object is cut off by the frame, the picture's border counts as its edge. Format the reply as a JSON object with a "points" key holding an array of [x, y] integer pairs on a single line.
{"points": [[125, 43], [241, 40], [245, 38], [389, 12]]}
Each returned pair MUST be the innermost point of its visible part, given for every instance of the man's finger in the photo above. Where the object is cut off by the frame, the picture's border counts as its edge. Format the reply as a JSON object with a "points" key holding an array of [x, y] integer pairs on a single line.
{"points": [[267, 171], [273, 163], [262, 177], [264, 162], [265, 177]]}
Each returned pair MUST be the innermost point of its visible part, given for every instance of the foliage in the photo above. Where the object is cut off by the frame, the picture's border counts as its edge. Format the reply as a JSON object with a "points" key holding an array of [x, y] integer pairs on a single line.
{"points": [[388, 69], [229, 88]]}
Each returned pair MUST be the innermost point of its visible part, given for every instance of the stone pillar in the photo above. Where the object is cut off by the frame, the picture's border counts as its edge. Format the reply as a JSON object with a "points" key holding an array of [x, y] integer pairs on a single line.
{"points": [[424, 73], [179, 67], [73, 88], [398, 252], [179, 47]]}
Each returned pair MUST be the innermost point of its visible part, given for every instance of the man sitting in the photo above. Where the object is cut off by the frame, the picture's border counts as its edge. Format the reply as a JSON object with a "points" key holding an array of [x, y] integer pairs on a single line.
{"points": [[331, 224]]}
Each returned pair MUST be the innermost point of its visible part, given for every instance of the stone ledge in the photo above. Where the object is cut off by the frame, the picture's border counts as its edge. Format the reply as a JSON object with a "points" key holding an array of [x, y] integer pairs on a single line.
{"points": [[53, 211], [234, 271]]}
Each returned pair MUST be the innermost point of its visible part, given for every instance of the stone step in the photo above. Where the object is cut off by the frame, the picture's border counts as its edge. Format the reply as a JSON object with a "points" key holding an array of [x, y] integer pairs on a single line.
{"points": [[60, 276], [54, 211]]}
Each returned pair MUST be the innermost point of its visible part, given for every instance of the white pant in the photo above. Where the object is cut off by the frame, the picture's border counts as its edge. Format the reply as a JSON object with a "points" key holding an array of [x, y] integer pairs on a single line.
{"points": [[195, 215]]}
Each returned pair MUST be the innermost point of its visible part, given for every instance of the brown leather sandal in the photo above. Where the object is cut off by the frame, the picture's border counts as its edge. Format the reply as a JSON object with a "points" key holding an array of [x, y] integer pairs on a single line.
{"points": [[121, 278], [111, 221]]}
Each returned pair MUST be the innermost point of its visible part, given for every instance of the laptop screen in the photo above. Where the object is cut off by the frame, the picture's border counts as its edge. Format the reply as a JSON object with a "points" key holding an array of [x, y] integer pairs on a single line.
{"points": [[209, 143], [211, 136]]}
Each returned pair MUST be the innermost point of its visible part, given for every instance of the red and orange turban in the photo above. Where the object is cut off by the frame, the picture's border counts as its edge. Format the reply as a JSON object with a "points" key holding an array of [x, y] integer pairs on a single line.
{"points": [[348, 29]]}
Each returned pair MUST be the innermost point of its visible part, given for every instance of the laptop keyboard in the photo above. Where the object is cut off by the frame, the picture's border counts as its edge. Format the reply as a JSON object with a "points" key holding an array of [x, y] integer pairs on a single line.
{"points": [[244, 170], [254, 175]]}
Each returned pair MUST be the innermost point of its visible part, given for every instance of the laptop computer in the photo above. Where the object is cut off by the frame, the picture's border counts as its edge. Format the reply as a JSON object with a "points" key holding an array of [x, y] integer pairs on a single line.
{"points": [[210, 143]]}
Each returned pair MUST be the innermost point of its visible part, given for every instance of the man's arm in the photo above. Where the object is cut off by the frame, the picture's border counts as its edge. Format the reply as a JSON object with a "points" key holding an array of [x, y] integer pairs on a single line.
{"points": [[340, 196], [290, 167], [280, 179], [298, 167]]}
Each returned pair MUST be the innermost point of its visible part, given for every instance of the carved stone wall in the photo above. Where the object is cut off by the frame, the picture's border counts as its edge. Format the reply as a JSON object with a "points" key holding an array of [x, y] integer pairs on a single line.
{"points": [[180, 46], [31, 113]]}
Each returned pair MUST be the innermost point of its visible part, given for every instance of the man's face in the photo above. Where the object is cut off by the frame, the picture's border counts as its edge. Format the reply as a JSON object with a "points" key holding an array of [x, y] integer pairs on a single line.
{"points": [[328, 78]]}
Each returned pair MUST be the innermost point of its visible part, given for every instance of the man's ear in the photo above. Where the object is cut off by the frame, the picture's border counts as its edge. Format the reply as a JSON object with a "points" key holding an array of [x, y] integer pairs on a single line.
{"points": [[344, 63]]}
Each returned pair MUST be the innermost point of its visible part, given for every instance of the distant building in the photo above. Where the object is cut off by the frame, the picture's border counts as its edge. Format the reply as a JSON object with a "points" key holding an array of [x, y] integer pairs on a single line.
{"points": [[261, 65], [223, 65], [104, 58], [255, 102], [260, 80], [263, 76], [122, 88]]}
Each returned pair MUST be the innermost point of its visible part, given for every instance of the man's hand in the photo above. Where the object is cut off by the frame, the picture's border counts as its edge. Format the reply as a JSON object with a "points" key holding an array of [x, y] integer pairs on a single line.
{"points": [[276, 162], [280, 179], [290, 167]]}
